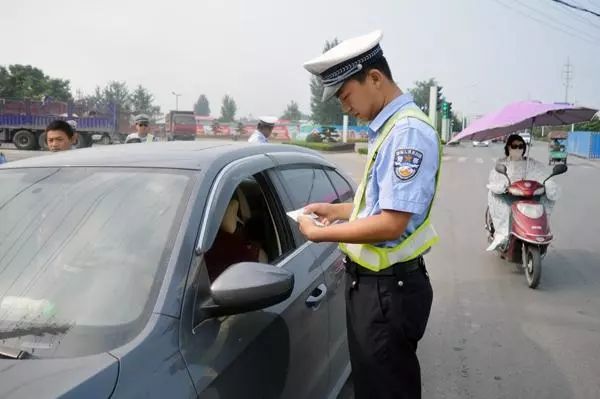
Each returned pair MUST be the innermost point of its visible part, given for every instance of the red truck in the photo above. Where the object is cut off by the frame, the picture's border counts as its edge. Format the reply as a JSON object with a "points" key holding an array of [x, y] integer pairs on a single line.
{"points": [[180, 125]]}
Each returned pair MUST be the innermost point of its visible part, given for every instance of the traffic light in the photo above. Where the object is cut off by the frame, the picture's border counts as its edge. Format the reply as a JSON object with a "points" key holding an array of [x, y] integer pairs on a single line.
{"points": [[444, 109], [439, 97], [449, 114]]}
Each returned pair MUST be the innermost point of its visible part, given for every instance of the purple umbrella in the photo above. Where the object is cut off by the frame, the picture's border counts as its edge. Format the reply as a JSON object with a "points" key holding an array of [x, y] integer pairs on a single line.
{"points": [[524, 115]]}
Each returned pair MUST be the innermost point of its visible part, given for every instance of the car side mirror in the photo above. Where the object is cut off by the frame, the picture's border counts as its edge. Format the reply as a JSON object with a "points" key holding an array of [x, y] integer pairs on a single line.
{"points": [[501, 168], [559, 169], [247, 286]]}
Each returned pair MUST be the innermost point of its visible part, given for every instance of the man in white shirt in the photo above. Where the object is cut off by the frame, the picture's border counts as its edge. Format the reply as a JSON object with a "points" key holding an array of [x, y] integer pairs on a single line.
{"points": [[263, 130], [142, 134]]}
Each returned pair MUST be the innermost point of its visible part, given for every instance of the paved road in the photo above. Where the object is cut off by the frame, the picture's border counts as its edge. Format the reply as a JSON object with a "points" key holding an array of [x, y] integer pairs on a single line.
{"points": [[489, 335], [12, 154]]}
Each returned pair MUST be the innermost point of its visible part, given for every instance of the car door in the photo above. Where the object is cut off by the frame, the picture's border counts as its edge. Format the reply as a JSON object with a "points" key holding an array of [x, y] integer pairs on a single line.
{"points": [[325, 185], [280, 351], [332, 260]]}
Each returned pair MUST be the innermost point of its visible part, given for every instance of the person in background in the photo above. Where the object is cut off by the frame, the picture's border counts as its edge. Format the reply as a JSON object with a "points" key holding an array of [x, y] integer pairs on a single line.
{"points": [[518, 167], [60, 136], [263, 130], [142, 131]]}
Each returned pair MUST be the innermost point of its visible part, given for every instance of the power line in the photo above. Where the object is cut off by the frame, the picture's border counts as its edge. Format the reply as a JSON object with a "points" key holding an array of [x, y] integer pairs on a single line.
{"points": [[586, 17], [577, 7], [557, 22], [546, 23], [581, 18], [580, 4]]}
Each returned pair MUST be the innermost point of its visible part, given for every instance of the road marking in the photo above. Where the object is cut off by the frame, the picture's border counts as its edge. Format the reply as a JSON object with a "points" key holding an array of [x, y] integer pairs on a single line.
{"points": [[479, 160], [447, 158], [462, 159]]}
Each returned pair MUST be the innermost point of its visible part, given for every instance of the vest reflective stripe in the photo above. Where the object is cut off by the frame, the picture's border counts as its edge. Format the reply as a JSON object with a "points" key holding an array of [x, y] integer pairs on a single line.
{"points": [[423, 238]]}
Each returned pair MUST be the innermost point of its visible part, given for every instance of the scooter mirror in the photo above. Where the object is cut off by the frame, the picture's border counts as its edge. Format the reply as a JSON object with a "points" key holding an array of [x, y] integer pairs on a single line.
{"points": [[559, 169], [501, 168]]}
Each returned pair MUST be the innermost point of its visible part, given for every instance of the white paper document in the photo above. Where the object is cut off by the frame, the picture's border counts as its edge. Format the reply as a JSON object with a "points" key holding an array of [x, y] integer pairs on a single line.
{"points": [[298, 212]]}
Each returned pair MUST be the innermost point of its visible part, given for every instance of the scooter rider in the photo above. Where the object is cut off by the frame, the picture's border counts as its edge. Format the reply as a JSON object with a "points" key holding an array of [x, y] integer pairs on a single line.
{"points": [[518, 167]]}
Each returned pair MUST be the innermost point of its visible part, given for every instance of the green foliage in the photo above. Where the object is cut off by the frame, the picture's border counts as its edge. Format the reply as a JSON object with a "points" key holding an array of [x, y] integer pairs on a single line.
{"points": [[26, 81]]}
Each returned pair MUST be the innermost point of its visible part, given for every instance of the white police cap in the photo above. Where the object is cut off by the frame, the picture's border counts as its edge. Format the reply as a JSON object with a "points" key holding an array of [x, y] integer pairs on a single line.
{"points": [[268, 120], [141, 118], [344, 60]]}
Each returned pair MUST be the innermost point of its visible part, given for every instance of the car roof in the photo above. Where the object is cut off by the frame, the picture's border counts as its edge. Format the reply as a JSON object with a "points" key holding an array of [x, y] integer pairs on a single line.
{"points": [[192, 155]]}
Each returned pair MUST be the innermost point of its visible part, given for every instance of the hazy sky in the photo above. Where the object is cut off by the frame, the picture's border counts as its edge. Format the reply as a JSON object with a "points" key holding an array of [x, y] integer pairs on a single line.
{"points": [[485, 53]]}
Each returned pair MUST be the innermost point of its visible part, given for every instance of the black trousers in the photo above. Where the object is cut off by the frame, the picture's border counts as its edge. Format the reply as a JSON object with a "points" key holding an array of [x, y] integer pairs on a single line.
{"points": [[386, 318]]}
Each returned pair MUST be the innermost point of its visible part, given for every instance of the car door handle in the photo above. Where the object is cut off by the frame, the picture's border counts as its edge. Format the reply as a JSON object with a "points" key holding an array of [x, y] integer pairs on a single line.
{"points": [[317, 296]]}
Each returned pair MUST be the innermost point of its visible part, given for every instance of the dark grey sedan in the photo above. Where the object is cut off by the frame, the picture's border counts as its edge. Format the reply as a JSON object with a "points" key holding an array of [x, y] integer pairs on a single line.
{"points": [[169, 270]]}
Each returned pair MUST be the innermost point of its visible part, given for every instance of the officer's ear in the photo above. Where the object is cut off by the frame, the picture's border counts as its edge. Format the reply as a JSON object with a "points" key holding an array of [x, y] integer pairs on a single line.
{"points": [[74, 138], [376, 78]]}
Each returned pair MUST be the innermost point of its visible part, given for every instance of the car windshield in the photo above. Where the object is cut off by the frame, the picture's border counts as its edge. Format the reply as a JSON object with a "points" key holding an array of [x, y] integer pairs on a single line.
{"points": [[82, 252], [185, 120]]}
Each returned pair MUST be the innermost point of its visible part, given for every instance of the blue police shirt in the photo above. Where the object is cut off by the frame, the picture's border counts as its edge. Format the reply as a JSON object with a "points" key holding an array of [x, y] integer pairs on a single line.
{"points": [[403, 173]]}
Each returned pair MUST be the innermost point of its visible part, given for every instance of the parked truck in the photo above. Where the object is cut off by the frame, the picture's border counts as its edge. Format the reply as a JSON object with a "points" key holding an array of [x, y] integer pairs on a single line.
{"points": [[23, 122], [180, 125]]}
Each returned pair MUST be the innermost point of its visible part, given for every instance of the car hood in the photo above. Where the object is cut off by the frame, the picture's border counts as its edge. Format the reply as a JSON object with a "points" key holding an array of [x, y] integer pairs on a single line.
{"points": [[85, 377]]}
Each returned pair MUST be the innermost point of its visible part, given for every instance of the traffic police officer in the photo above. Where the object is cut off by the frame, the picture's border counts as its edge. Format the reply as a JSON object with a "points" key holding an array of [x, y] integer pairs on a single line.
{"points": [[388, 293], [263, 130], [142, 131]]}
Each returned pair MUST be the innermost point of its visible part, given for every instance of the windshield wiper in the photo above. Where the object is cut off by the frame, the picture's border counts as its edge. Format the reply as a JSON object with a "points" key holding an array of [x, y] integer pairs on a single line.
{"points": [[52, 329], [12, 353]]}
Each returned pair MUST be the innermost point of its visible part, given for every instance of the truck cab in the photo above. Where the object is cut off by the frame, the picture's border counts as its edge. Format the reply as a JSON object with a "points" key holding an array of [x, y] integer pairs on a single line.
{"points": [[180, 125]]}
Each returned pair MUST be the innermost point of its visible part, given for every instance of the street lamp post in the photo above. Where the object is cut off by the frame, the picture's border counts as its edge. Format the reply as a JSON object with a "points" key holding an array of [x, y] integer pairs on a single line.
{"points": [[176, 100]]}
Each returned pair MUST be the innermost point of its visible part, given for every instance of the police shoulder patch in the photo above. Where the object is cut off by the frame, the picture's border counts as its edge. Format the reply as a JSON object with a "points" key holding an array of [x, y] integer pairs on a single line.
{"points": [[407, 163]]}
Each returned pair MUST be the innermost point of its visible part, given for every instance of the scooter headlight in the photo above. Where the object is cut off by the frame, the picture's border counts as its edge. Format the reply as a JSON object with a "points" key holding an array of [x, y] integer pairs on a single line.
{"points": [[532, 211], [516, 191]]}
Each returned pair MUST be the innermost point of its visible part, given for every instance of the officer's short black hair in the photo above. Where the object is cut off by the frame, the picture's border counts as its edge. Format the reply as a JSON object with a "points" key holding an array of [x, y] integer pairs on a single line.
{"points": [[380, 64], [262, 125], [62, 126]]}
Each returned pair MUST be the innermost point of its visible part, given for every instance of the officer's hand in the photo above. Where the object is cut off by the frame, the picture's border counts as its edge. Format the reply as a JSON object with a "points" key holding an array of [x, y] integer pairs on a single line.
{"points": [[307, 227], [324, 211]]}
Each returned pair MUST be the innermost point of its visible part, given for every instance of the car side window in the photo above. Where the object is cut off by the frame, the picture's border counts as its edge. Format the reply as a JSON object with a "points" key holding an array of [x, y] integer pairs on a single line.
{"points": [[306, 185], [342, 187], [251, 229]]}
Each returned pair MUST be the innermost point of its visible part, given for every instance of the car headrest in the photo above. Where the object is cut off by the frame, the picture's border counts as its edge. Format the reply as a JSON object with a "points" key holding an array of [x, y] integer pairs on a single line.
{"points": [[245, 212], [229, 223]]}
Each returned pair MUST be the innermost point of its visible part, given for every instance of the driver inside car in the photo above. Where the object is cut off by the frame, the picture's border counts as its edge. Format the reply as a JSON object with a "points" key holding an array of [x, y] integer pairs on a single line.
{"points": [[233, 244], [518, 167]]}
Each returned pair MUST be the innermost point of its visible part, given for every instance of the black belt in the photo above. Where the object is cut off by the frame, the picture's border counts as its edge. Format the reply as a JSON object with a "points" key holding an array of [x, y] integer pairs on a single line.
{"points": [[395, 270]]}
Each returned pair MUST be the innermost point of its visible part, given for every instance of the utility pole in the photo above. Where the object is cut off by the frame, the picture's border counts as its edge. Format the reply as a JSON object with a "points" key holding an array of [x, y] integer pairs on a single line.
{"points": [[176, 100], [433, 104], [567, 77]]}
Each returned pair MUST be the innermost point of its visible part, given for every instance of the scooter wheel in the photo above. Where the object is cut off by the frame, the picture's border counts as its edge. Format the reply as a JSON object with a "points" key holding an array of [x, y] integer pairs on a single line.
{"points": [[533, 266]]}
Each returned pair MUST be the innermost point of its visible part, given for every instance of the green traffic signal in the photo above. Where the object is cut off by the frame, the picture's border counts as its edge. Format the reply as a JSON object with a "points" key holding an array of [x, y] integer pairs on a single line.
{"points": [[446, 109]]}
